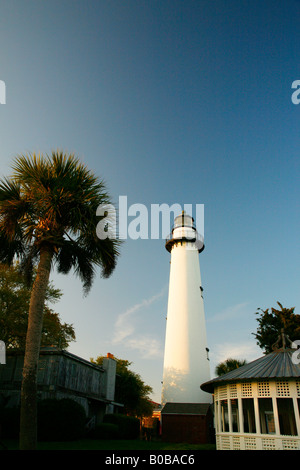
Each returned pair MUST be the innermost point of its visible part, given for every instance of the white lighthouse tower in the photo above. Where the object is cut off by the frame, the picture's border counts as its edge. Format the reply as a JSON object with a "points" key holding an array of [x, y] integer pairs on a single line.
{"points": [[186, 362]]}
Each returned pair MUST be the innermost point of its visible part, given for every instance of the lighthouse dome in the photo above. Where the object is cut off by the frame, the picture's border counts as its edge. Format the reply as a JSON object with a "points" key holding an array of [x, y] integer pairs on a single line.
{"points": [[184, 230], [184, 220]]}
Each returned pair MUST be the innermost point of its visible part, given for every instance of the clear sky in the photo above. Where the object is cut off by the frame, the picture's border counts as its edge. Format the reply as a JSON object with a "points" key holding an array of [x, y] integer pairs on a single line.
{"points": [[169, 101]]}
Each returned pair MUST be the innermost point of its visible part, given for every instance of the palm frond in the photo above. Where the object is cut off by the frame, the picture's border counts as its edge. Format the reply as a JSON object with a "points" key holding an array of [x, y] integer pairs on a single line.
{"points": [[12, 211], [73, 256], [10, 249], [28, 262], [53, 200]]}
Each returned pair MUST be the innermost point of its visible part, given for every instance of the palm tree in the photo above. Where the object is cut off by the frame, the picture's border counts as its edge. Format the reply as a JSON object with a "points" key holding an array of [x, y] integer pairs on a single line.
{"points": [[48, 216], [228, 365]]}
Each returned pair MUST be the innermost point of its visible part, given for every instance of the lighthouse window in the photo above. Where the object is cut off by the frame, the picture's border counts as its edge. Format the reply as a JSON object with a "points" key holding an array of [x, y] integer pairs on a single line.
{"points": [[207, 351]]}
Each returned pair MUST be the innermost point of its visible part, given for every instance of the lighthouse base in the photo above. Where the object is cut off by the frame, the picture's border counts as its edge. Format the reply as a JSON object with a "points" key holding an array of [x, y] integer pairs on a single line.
{"points": [[187, 422]]}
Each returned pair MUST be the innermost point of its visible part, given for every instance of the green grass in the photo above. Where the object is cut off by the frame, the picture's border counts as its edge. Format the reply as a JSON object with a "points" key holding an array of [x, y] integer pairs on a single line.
{"points": [[89, 444]]}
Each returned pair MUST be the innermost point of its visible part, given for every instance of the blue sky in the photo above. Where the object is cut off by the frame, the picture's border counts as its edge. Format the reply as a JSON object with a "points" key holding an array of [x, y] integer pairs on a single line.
{"points": [[169, 101]]}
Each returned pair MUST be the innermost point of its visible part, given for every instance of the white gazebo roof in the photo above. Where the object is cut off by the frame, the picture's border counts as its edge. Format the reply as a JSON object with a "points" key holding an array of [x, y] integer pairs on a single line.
{"points": [[277, 364]]}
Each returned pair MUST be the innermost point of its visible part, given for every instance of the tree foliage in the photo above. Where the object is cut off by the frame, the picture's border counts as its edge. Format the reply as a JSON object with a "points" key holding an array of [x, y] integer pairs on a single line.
{"points": [[51, 202], [271, 321], [228, 365], [14, 306], [130, 389]]}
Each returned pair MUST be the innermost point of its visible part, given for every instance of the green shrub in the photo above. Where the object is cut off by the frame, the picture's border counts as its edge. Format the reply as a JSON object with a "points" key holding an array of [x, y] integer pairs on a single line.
{"points": [[129, 427], [10, 422], [60, 420], [105, 431]]}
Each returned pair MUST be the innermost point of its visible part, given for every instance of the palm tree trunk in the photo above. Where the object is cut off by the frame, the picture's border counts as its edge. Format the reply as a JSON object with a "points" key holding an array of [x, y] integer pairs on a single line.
{"points": [[28, 417]]}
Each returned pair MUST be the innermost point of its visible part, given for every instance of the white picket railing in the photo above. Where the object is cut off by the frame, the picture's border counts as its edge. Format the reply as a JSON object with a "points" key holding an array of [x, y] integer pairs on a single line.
{"points": [[236, 441]]}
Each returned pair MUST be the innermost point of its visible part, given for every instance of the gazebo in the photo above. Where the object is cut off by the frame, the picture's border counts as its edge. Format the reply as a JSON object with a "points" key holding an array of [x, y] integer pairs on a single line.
{"points": [[257, 405]]}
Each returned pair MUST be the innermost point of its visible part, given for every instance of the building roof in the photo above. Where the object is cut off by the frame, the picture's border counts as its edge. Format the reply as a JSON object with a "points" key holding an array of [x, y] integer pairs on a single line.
{"points": [[278, 364], [185, 408], [54, 351]]}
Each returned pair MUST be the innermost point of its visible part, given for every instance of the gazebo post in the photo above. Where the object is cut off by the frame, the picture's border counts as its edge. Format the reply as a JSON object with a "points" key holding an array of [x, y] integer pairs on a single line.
{"points": [[241, 419], [229, 414], [275, 412], [256, 414], [296, 411], [219, 422]]}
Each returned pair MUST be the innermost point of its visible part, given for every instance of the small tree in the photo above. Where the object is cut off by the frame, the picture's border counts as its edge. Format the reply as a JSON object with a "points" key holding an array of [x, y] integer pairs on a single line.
{"points": [[272, 321], [15, 291], [130, 389]]}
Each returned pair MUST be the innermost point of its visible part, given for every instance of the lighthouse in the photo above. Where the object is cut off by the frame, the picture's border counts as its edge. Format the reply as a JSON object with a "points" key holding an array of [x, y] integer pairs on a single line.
{"points": [[186, 360]]}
